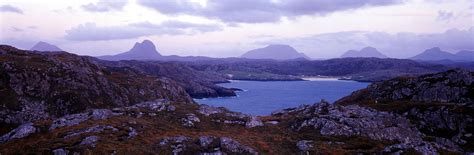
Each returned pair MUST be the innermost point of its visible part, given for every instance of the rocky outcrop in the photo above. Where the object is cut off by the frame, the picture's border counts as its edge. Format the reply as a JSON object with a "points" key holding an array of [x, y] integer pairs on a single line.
{"points": [[439, 105], [353, 120], [454, 86]]}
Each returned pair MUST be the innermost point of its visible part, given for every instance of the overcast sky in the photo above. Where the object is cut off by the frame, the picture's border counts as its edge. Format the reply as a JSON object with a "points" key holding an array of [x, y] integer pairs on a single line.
{"points": [[227, 28]]}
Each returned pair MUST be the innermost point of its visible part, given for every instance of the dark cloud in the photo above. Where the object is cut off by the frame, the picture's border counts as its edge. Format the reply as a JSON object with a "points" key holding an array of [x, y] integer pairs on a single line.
{"points": [[9, 8], [105, 5], [444, 15], [399, 45], [92, 32], [258, 11]]}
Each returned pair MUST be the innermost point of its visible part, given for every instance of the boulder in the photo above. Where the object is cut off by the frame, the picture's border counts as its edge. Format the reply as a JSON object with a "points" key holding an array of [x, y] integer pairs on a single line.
{"points": [[19, 132]]}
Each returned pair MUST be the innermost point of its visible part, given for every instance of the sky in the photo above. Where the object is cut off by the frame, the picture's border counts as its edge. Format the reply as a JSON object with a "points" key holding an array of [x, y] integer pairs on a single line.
{"points": [[321, 29]]}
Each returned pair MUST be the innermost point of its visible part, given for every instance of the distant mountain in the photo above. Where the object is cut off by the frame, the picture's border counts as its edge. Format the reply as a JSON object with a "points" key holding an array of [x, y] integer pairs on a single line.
{"points": [[277, 52], [467, 55], [145, 50], [45, 47], [436, 54], [364, 53]]}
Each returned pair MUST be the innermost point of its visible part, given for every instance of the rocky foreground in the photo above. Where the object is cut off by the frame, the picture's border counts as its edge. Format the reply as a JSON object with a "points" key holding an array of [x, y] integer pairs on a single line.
{"points": [[63, 109]]}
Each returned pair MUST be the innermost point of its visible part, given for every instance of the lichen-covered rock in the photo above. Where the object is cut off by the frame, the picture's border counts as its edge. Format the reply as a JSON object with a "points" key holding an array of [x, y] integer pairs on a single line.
{"points": [[19, 132]]}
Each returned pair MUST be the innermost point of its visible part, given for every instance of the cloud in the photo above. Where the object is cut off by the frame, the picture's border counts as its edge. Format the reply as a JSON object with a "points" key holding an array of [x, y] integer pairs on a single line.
{"points": [[398, 45], [444, 15], [92, 32], [9, 8], [105, 5], [258, 11]]}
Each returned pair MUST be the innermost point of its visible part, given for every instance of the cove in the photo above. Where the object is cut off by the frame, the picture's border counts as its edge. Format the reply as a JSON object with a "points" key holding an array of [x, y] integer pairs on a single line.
{"points": [[264, 97]]}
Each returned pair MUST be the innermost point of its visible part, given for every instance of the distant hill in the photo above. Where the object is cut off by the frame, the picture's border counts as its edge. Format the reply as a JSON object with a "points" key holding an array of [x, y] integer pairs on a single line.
{"points": [[45, 47], [468, 55], [436, 54], [145, 50], [276, 51], [366, 52]]}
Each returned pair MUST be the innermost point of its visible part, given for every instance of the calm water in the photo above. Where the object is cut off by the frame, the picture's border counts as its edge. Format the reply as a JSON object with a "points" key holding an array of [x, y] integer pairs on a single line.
{"points": [[262, 98]]}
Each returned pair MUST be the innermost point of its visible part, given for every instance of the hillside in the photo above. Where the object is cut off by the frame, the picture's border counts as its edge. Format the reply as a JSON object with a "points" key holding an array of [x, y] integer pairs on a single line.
{"points": [[276, 52], [360, 69], [353, 125], [42, 85]]}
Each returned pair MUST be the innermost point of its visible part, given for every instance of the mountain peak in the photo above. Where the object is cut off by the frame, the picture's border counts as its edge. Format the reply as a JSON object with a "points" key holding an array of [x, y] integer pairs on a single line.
{"points": [[435, 54], [274, 51], [364, 52], [145, 50], [44, 47]]}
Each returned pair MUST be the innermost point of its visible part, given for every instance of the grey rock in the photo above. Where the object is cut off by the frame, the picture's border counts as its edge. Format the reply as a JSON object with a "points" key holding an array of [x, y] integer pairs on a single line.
{"points": [[190, 120], [209, 110], [205, 141], [253, 122], [69, 120], [19, 132], [98, 114], [90, 141], [304, 145], [132, 132]]}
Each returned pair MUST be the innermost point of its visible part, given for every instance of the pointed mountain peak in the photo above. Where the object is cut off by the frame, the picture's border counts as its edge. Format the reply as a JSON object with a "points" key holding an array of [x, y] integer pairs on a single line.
{"points": [[145, 50], [44, 47]]}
